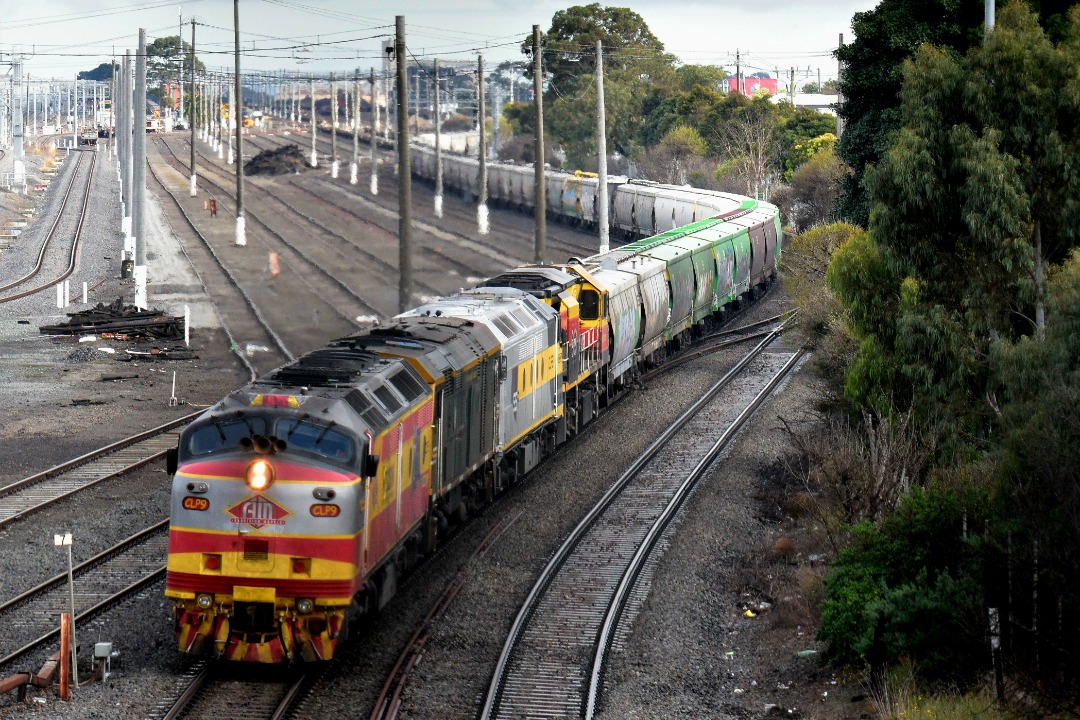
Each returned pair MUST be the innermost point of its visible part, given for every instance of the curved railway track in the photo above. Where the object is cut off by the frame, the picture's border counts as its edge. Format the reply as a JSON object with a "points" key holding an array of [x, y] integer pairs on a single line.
{"points": [[31, 619], [33, 493], [552, 659], [51, 236]]}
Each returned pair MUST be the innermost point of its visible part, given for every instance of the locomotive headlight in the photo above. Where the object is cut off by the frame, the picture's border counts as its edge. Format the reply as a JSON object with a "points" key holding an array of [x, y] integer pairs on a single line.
{"points": [[304, 606], [260, 475], [205, 601]]}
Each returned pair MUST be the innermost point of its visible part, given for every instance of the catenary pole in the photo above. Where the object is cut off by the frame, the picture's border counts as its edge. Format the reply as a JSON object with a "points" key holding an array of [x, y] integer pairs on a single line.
{"points": [[601, 152], [539, 249], [333, 128], [374, 187], [481, 206], [404, 176], [354, 170], [139, 165], [314, 153], [241, 230], [438, 147], [194, 115]]}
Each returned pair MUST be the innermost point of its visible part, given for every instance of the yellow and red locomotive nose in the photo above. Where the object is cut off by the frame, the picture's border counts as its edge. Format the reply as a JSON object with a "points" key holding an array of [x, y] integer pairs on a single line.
{"points": [[263, 538]]}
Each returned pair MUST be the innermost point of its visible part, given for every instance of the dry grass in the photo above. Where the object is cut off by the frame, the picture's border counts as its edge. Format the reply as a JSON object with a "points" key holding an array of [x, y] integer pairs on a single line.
{"points": [[897, 697]]}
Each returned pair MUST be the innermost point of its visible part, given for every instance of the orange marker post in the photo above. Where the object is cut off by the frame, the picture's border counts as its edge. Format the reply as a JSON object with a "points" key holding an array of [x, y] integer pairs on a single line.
{"points": [[65, 656]]}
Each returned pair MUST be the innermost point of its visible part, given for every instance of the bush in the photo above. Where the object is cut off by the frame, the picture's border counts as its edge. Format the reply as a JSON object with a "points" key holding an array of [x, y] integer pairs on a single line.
{"points": [[910, 589]]}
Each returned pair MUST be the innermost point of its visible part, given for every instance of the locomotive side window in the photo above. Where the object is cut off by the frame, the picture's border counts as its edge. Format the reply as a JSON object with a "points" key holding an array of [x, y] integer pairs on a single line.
{"points": [[589, 303], [217, 435], [318, 439]]}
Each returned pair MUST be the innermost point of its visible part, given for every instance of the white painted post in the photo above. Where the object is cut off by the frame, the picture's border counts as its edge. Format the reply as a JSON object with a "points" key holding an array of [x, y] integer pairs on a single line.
{"points": [[187, 326], [84, 291]]}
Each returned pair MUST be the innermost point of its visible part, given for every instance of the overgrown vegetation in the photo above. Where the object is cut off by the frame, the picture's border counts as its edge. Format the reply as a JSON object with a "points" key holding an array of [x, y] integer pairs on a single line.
{"points": [[950, 478]]}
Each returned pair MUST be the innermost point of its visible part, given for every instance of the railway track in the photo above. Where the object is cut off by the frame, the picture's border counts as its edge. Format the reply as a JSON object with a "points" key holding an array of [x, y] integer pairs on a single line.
{"points": [[242, 320], [338, 294], [51, 236], [33, 493], [552, 661], [384, 227], [350, 242], [461, 212], [32, 619], [209, 691]]}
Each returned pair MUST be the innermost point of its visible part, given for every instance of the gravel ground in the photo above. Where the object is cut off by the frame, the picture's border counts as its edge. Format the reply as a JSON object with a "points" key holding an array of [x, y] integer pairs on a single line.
{"points": [[676, 661]]}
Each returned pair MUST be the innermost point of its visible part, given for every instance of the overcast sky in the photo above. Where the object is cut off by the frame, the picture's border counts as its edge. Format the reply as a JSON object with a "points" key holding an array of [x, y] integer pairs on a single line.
{"points": [[59, 37]]}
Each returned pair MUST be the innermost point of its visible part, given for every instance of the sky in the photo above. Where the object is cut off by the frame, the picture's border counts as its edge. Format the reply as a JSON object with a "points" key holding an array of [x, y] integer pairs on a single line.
{"points": [[57, 38]]}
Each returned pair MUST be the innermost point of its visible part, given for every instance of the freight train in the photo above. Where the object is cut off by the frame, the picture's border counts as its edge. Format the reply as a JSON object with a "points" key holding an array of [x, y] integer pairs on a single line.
{"points": [[636, 209], [300, 499]]}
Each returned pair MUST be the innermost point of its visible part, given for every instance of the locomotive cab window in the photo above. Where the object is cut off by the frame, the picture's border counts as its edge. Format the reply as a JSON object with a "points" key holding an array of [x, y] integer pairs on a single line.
{"points": [[589, 305], [215, 434], [321, 440]]}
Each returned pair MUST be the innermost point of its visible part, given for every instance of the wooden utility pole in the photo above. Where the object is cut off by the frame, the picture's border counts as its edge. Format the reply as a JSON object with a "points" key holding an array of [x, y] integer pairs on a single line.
{"points": [[404, 176], [538, 171], [241, 235]]}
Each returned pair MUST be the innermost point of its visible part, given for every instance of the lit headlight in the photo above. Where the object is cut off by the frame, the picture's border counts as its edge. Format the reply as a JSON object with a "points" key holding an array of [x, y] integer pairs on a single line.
{"points": [[260, 475], [205, 601], [304, 606]]}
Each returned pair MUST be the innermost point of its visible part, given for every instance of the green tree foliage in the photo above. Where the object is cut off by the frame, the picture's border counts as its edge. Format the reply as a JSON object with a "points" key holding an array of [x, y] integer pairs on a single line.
{"points": [[799, 135], [1039, 391], [569, 46], [873, 73], [910, 588], [976, 188], [955, 199], [816, 183], [706, 76], [635, 67], [163, 60], [678, 159], [102, 73], [521, 117]]}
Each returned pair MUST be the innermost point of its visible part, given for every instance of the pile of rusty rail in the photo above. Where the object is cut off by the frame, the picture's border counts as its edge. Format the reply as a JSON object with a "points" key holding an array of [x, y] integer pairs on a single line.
{"points": [[118, 320]]}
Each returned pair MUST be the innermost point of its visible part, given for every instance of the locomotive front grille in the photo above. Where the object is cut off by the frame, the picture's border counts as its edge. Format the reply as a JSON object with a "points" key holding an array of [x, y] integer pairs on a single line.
{"points": [[256, 550]]}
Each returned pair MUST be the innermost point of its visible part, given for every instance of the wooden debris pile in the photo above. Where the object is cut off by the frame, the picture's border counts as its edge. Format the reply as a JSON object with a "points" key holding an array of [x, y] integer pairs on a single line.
{"points": [[119, 321]]}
